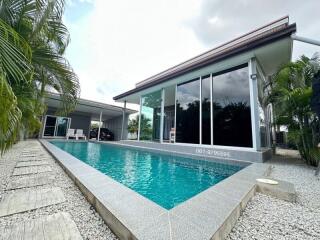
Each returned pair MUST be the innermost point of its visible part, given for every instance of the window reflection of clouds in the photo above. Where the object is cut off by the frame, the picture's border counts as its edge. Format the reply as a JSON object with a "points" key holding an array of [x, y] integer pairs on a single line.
{"points": [[231, 87], [188, 93]]}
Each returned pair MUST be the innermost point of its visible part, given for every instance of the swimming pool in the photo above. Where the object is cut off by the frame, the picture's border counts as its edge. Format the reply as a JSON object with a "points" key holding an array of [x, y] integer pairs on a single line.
{"points": [[165, 179]]}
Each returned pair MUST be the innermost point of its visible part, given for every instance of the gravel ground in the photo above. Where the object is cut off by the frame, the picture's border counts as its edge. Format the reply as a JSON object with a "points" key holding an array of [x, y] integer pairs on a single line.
{"points": [[269, 218], [88, 221]]}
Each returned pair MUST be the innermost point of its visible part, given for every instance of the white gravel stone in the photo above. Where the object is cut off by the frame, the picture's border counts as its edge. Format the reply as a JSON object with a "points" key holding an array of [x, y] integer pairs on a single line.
{"points": [[269, 218], [88, 221]]}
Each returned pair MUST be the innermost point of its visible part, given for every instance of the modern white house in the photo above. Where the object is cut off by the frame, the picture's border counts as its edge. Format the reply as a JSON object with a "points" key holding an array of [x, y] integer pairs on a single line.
{"points": [[113, 117], [213, 104]]}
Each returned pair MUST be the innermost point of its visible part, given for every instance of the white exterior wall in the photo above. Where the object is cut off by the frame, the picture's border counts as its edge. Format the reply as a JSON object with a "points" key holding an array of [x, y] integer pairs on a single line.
{"points": [[115, 126]]}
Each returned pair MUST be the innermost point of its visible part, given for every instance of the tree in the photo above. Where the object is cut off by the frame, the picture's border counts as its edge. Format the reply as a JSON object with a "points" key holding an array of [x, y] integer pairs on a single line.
{"points": [[291, 92], [33, 40]]}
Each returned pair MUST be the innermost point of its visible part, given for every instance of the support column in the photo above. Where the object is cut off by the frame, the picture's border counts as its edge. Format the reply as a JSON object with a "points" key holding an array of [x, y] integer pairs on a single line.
{"points": [[98, 137], [200, 111], [139, 118], [123, 118], [162, 115], [253, 84]]}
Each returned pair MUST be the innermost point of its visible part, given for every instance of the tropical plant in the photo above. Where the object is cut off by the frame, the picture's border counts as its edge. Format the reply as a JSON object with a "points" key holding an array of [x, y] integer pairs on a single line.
{"points": [[291, 92], [33, 40], [145, 127]]}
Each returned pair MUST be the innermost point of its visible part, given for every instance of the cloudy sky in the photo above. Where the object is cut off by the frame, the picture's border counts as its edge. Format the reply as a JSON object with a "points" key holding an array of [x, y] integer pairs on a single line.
{"points": [[115, 44]]}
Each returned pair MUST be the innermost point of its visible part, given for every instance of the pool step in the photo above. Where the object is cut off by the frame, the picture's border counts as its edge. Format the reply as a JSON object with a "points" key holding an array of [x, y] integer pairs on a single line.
{"points": [[25, 200], [56, 226]]}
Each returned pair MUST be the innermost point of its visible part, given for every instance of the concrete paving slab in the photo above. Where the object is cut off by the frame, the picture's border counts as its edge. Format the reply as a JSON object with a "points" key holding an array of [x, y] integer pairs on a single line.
{"points": [[25, 200], [28, 181], [31, 170], [284, 190], [56, 226], [31, 163]]}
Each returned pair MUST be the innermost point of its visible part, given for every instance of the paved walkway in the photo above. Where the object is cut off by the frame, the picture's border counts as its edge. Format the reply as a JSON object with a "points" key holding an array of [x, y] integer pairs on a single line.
{"points": [[56, 226], [24, 194]]}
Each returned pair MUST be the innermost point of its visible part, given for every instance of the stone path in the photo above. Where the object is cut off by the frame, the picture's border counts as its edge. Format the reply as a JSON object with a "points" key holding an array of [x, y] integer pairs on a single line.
{"points": [[31, 170], [25, 200], [26, 182], [31, 159], [31, 163], [56, 226], [25, 193]]}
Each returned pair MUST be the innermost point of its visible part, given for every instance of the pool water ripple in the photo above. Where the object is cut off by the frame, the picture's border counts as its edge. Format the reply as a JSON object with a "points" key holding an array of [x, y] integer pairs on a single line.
{"points": [[165, 179]]}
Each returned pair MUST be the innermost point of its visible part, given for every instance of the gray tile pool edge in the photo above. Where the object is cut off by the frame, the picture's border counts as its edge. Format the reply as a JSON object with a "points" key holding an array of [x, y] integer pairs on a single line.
{"points": [[132, 216], [228, 161]]}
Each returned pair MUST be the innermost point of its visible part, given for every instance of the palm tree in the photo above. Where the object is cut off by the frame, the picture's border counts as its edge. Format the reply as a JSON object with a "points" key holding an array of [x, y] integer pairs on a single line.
{"points": [[291, 92], [34, 32], [145, 127]]}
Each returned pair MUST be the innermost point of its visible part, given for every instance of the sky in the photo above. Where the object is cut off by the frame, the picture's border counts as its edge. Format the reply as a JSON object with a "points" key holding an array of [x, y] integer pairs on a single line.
{"points": [[115, 44]]}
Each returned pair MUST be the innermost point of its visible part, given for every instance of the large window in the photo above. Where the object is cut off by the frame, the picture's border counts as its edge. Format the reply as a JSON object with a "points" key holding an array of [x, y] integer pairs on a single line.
{"points": [[188, 112], [169, 114], [206, 109], [231, 109], [150, 116], [56, 126], [213, 109]]}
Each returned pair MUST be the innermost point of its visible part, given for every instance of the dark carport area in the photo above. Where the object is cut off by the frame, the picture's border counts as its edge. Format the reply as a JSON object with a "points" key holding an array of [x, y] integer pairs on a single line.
{"points": [[113, 117]]}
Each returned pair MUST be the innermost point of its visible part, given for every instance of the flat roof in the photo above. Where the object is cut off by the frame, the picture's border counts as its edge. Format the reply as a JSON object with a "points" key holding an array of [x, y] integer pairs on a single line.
{"points": [[89, 107], [264, 35]]}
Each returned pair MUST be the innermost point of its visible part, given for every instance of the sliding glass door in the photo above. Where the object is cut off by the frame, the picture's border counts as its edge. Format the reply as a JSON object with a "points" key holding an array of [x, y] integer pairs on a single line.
{"points": [[56, 126], [231, 109], [206, 109], [188, 112], [224, 117], [150, 116]]}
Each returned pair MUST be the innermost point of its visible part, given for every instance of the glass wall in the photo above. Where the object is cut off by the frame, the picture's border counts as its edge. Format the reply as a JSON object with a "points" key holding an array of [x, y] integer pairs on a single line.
{"points": [[188, 112], [220, 101], [206, 109], [56, 126], [150, 116], [263, 112], [169, 114], [231, 109]]}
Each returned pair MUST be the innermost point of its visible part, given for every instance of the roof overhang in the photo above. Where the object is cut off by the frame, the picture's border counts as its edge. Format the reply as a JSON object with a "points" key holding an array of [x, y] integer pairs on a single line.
{"points": [[89, 108], [270, 44]]}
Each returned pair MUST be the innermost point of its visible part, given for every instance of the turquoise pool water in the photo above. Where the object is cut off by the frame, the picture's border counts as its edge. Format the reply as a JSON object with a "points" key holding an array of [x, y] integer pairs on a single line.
{"points": [[165, 179]]}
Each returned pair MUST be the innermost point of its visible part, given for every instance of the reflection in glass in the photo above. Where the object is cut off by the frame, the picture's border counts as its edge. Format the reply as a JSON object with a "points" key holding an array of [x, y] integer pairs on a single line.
{"points": [[187, 113], [62, 126], [263, 112], [206, 112], [150, 116], [49, 126], [169, 114], [231, 109]]}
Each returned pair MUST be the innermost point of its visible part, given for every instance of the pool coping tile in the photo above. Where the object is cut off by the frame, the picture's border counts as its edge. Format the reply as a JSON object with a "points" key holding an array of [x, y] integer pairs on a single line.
{"points": [[210, 214]]}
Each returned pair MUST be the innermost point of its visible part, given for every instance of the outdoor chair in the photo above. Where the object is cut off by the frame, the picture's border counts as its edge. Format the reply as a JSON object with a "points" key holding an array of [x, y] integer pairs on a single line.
{"points": [[172, 134], [79, 134], [70, 133]]}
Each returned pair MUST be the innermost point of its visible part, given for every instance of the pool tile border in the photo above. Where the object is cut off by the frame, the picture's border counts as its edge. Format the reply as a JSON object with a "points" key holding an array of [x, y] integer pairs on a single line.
{"points": [[210, 214]]}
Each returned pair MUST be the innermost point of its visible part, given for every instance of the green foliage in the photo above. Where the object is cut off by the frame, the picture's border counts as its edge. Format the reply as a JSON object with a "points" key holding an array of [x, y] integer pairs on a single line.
{"points": [[10, 115], [291, 93], [33, 39], [145, 126]]}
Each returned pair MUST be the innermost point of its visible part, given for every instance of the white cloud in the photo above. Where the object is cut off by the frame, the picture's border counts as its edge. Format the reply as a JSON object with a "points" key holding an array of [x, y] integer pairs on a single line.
{"points": [[122, 42], [118, 43]]}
